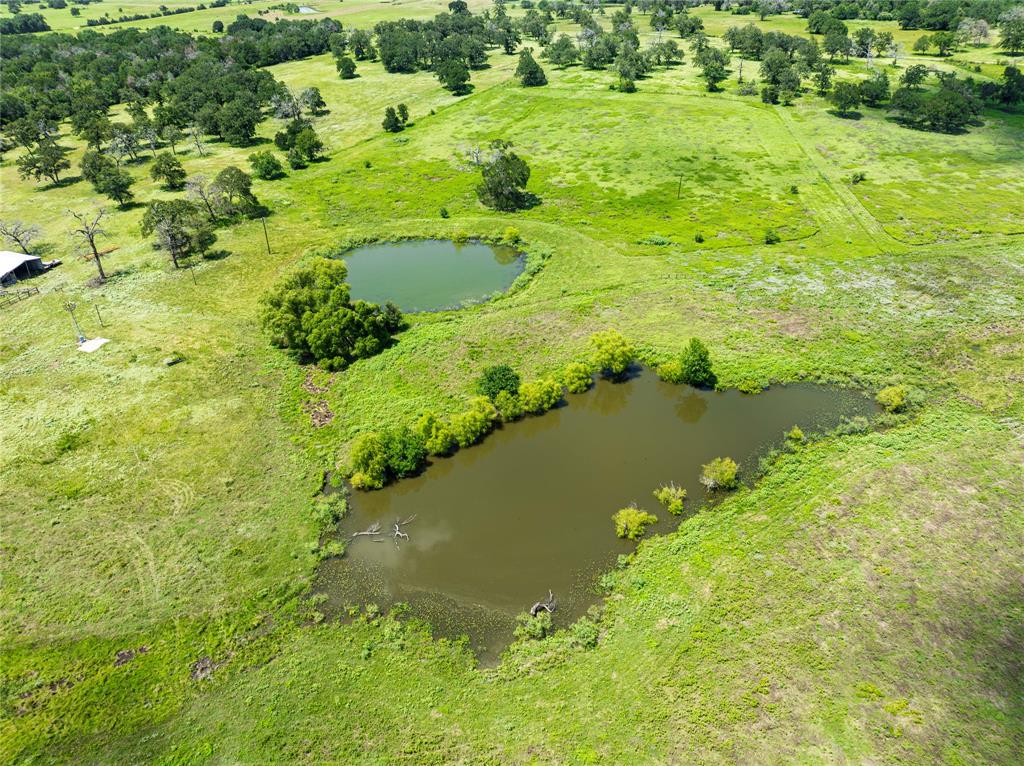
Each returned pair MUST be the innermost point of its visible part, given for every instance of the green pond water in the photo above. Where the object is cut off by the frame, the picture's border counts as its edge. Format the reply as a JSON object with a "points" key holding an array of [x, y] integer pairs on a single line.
{"points": [[432, 274], [529, 509]]}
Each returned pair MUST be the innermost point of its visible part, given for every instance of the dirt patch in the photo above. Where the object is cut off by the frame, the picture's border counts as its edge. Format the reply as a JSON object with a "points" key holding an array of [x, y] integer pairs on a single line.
{"points": [[125, 656], [318, 412], [310, 386], [203, 668]]}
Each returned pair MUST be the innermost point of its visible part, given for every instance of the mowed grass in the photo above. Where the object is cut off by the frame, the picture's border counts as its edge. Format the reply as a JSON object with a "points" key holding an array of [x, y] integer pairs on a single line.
{"points": [[858, 603]]}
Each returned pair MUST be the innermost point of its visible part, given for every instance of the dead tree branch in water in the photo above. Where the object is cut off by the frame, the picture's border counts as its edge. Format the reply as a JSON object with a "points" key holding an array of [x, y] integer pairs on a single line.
{"points": [[549, 606], [397, 529], [372, 531]]}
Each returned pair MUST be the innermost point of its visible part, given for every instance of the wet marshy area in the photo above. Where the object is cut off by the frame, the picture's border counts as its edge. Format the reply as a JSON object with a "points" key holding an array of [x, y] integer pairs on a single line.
{"points": [[431, 274], [528, 510]]}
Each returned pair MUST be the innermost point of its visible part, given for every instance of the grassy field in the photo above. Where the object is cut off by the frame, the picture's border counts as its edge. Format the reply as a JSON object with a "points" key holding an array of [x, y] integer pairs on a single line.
{"points": [[861, 603]]}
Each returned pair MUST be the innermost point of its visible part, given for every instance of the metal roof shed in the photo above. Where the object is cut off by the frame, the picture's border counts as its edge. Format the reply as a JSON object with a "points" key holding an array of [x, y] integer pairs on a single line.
{"points": [[15, 266]]}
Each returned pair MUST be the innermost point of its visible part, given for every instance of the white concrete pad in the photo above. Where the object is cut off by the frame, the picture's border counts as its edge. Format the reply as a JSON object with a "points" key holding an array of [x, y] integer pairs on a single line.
{"points": [[91, 345]]}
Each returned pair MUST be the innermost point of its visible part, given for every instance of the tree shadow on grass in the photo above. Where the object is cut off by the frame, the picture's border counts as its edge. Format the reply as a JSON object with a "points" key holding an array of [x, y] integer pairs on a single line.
{"points": [[852, 115]]}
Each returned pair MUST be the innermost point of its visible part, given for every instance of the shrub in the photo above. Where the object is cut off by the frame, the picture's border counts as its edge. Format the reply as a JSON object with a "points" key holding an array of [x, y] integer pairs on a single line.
{"points": [[437, 434], [444, 212], [310, 312], [893, 398], [508, 405], [385, 455], [771, 237], [795, 437], [698, 237], [859, 177], [720, 473], [749, 386], [265, 166], [584, 633], [671, 371], [672, 497], [577, 377], [696, 363], [612, 354], [532, 628], [475, 423], [498, 378], [539, 396], [511, 235], [631, 522]]}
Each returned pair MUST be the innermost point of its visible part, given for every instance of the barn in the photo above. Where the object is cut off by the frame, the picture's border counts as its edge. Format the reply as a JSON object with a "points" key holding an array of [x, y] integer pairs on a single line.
{"points": [[15, 266]]}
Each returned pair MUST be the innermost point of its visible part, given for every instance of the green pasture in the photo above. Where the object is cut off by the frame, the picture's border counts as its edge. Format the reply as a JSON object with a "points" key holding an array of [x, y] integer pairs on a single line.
{"points": [[859, 603]]}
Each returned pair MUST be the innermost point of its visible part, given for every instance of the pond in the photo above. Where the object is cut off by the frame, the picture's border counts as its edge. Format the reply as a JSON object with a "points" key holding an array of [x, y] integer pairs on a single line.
{"points": [[529, 509], [432, 274]]}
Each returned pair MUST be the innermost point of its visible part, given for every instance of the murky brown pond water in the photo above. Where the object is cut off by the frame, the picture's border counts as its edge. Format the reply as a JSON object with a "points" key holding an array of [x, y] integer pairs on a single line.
{"points": [[529, 509]]}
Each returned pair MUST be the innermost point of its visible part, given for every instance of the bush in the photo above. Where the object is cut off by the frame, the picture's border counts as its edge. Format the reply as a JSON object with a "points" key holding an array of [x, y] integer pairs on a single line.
{"points": [[383, 456], [795, 437], [859, 177], [437, 434], [671, 371], [532, 628], [720, 473], [539, 396], [696, 364], [311, 313], [631, 522], [496, 379], [584, 633], [475, 423], [672, 497], [511, 235], [771, 237], [577, 377], [265, 166], [612, 354], [508, 405], [749, 386], [893, 398]]}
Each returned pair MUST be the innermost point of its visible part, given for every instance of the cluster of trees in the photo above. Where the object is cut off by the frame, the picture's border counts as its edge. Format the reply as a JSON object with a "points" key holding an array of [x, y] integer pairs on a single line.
{"points": [[185, 227], [396, 118], [23, 23], [949, 107], [953, 22], [620, 47], [932, 15], [173, 83], [299, 139], [164, 11], [311, 313], [389, 454]]}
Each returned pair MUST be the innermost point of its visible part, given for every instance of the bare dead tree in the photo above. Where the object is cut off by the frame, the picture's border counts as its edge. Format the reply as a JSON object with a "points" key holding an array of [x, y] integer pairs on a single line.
{"points": [[548, 606], [88, 230], [197, 138], [21, 234], [209, 195]]}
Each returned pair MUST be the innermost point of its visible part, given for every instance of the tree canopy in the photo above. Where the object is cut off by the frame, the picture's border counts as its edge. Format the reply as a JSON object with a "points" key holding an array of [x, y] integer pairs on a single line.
{"points": [[311, 313]]}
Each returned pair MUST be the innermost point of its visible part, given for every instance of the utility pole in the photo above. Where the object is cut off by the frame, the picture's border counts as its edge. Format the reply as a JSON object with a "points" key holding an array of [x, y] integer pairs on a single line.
{"points": [[265, 235]]}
